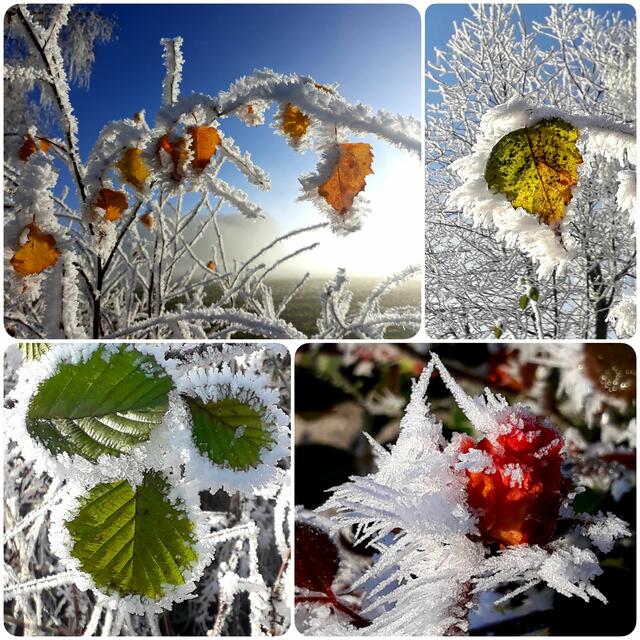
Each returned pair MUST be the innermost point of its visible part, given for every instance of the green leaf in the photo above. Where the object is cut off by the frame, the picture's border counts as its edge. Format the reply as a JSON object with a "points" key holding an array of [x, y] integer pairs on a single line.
{"points": [[535, 167], [523, 301], [497, 332], [229, 431], [588, 501], [133, 541], [534, 294], [106, 405], [33, 350]]}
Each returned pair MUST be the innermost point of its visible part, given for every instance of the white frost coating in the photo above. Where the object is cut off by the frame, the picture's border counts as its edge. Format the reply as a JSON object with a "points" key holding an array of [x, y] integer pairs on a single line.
{"points": [[549, 248], [211, 385], [604, 530], [626, 194], [173, 61], [62, 545], [622, 316]]}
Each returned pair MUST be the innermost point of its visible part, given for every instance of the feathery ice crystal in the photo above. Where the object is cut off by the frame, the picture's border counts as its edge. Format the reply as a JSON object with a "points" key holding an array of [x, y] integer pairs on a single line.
{"points": [[452, 520]]}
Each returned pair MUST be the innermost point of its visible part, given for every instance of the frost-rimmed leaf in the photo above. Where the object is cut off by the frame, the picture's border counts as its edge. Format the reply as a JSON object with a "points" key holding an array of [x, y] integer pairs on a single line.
{"points": [[133, 541], [242, 455], [104, 405], [230, 431], [536, 167]]}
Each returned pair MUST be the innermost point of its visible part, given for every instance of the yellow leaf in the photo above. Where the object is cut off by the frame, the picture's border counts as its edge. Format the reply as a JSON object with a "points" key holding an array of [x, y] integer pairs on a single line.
{"points": [[323, 87], [147, 220], [113, 203], [294, 122], [133, 168], [347, 179], [36, 254], [535, 167], [204, 141]]}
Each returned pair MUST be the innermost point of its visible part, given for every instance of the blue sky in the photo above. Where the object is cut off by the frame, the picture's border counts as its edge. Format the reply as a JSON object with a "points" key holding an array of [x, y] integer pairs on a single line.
{"points": [[372, 51], [440, 18]]}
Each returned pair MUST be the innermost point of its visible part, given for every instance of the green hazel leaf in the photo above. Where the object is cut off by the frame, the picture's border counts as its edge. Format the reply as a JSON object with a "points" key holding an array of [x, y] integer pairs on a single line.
{"points": [[33, 350], [535, 167], [229, 431], [523, 300], [106, 405], [133, 541]]}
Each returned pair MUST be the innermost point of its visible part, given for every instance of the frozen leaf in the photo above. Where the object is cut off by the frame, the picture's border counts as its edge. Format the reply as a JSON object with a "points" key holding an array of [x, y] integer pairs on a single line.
{"points": [[294, 122], [229, 431], [523, 301], [30, 146], [133, 541], [36, 254], [147, 220], [105, 405], [536, 167], [347, 179], [316, 559], [33, 350], [133, 168], [211, 265], [177, 150], [204, 141], [112, 202]]}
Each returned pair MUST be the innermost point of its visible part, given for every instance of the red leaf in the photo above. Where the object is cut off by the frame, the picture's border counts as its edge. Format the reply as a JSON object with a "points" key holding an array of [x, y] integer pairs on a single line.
{"points": [[317, 560]]}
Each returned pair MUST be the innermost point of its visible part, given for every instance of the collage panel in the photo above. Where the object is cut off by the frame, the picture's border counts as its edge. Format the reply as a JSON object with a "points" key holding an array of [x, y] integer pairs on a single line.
{"points": [[530, 171], [146, 489], [451, 489], [161, 183]]}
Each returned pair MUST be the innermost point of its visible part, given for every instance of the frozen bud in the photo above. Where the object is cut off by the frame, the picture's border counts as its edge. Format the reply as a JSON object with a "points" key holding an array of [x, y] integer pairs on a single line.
{"points": [[517, 497]]}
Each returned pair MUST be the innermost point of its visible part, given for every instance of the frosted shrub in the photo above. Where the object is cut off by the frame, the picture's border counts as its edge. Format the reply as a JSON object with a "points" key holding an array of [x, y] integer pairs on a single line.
{"points": [[453, 525], [115, 258], [139, 479], [530, 154]]}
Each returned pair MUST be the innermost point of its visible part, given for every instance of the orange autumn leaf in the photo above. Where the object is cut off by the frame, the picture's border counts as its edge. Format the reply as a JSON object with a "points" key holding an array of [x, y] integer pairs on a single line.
{"points": [[211, 265], [113, 203], [30, 146], [323, 87], [36, 254], [347, 179], [294, 122], [147, 220], [177, 150], [250, 109], [133, 168], [204, 141]]}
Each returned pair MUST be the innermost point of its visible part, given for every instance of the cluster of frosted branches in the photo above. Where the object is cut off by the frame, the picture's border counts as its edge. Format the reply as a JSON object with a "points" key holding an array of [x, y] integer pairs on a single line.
{"points": [[436, 555], [580, 63], [238, 582], [149, 192]]}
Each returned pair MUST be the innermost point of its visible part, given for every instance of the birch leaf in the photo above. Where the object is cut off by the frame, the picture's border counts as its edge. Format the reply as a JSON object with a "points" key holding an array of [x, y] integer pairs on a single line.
{"points": [[133, 541], [294, 122], [211, 265], [30, 146], [147, 220], [112, 202], [204, 141], [347, 179], [229, 431], [36, 254], [536, 167], [177, 150], [133, 168], [106, 405]]}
